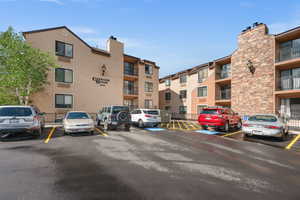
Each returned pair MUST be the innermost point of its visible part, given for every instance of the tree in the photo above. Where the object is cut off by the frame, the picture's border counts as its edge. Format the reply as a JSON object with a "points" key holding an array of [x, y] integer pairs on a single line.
{"points": [[23, 69]]}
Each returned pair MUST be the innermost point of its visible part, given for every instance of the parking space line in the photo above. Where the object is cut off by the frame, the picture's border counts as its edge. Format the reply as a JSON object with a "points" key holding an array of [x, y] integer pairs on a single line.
{"points": [[50, 135], [229, 134], [193, 125], [186, 127], [290, 145], [179, 125], [101, 132]]}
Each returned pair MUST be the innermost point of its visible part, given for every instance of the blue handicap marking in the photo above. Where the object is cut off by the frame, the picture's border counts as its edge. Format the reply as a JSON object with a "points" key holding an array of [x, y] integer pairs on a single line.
{"points": [[208, 132], [155, 129]]}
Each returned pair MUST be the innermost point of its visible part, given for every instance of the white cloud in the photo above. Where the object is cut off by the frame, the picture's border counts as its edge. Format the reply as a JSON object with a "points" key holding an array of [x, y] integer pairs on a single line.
{"points": [[53, 1], [83, 30]]}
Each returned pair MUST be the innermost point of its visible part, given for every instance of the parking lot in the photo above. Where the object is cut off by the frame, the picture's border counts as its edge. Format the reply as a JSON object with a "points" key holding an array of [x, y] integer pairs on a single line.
{"points": [[160, 163]]}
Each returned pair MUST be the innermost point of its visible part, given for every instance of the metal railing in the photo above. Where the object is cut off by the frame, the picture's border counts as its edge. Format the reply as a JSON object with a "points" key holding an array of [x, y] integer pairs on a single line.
{"points": [[187, 116], [224, 94], [223, 75], [130, 90], [131, 72], [288, 53], [288, 83]]}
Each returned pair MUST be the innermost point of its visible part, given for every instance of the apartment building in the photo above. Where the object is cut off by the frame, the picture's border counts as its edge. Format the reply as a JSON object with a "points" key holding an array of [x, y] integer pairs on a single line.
{"points": [[90, 78], [261, 76]]}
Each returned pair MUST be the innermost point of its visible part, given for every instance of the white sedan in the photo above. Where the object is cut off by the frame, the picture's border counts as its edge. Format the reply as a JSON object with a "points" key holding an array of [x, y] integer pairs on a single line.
{"points": [[265, 125], [75, 122]]}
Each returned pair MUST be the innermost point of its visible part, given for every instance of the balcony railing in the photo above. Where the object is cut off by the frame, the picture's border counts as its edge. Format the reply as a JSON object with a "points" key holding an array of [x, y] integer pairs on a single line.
{"points": [[289, 83], [224, 95], [131, 72], [223, 74], [288, 54], [130, 90]]}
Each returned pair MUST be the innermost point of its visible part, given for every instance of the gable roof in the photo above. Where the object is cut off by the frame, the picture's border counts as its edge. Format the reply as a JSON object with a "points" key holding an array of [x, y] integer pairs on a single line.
{"points": [[93, 49]]}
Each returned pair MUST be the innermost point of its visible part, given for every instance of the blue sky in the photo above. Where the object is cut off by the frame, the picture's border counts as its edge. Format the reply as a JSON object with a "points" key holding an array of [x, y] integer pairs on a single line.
{"points": [[176, 34]]}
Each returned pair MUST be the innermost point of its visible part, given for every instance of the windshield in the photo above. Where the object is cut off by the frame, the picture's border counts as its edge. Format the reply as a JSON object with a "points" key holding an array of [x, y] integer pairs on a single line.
{"points": [[78, 115], [263, 118], [151, 112], [117, 109], [210, 111], [15, 112]]}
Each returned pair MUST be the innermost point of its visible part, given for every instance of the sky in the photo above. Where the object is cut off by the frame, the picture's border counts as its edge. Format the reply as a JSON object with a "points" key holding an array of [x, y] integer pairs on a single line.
{"points": [[176, 34]]}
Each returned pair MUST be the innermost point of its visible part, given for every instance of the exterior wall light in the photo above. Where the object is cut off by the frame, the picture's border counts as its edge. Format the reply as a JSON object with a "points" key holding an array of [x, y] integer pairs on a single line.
{"points": [[250, 66]]}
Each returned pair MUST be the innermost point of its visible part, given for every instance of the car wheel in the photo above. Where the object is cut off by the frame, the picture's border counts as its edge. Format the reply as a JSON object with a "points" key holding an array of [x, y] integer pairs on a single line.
{"points": [[98, 123], [127, 127], [38, 133], [246, 135], [226, 127], [283, 135], [141, 123], [92, 132]]}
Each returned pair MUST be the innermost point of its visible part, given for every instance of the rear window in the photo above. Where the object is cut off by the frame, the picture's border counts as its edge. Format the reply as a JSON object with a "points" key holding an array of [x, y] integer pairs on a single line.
{"points": [[210, 111], [78, 115], [117, 109], [151, 112], [263, 118], [15, 112]]}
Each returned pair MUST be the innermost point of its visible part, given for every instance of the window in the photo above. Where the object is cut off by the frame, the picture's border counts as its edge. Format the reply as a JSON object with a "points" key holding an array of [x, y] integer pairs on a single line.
{"points": [[63, 101], [148, 103], [200, 108], [182, 109], [289, 50], [63, 49], [148, 87], [202, 91], [64, 75], [129, 69], [167, 108], [183, 79], [182, 94], [148, 69], [225, 71], [167, 96], [168, 82], [202, 75]]}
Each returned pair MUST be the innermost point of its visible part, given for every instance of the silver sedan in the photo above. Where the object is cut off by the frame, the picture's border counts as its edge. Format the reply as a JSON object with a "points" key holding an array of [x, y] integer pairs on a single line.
{"points": [[265, 125]]}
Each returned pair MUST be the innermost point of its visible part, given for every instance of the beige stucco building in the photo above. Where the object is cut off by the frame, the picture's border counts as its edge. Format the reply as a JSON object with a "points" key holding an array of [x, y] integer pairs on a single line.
{"points": [[90, 78], [261, 76]]}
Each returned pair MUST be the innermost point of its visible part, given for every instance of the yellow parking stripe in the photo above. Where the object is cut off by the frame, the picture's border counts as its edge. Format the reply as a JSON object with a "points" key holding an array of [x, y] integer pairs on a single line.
{"points": [[290, 145], [229, 134], [101, 132], [193, 125], [50, 135], [179, 125]]}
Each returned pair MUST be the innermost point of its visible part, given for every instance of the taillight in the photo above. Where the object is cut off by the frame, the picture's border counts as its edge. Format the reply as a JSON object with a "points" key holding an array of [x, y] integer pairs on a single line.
{"points": [[272, 127], [148, 116], [246, 125]]}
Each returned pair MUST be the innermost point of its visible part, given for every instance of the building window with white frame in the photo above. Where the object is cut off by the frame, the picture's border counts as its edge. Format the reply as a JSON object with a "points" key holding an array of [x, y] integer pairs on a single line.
{"points": [[148, 69], [202, 75], [202, 91], [168, 82], [182, 94], [63, 101], [148, 87], [183, 78], [148, 103]]}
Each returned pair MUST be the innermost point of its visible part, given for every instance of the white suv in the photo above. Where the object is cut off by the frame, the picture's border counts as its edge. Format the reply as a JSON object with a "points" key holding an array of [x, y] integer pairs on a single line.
{"points": [[146, 117]]}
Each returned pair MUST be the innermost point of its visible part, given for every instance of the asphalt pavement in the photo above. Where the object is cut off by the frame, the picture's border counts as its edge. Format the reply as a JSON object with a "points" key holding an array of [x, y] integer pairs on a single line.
{"points": [[143, 164]]}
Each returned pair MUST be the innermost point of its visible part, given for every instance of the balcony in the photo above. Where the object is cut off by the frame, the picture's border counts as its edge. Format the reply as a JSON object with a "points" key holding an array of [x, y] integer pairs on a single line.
{"points": [[130, 71], [130, 91], [224, 97], [288, 86], [223, 77]]}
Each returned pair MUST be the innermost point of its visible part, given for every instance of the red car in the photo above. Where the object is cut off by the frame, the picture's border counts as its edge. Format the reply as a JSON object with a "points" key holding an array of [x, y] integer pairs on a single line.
{"points": [[219, 118]]}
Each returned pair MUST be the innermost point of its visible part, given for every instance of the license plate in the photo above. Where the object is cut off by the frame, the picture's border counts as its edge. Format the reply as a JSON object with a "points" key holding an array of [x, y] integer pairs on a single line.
{"points": [[256, 131], [208, 118], [14, 121]]}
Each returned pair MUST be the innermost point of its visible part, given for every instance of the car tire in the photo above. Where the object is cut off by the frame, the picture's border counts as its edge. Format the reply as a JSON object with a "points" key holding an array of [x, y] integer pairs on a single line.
{"points": [[98, 123], [141, 124], [92, 132], [226, 126], [38, 133], [127, 127], [283, 136], [246, 135]]}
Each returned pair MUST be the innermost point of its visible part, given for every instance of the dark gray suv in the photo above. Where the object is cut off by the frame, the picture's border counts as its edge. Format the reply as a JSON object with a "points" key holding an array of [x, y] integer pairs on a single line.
{"points": [[112, 117]]}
